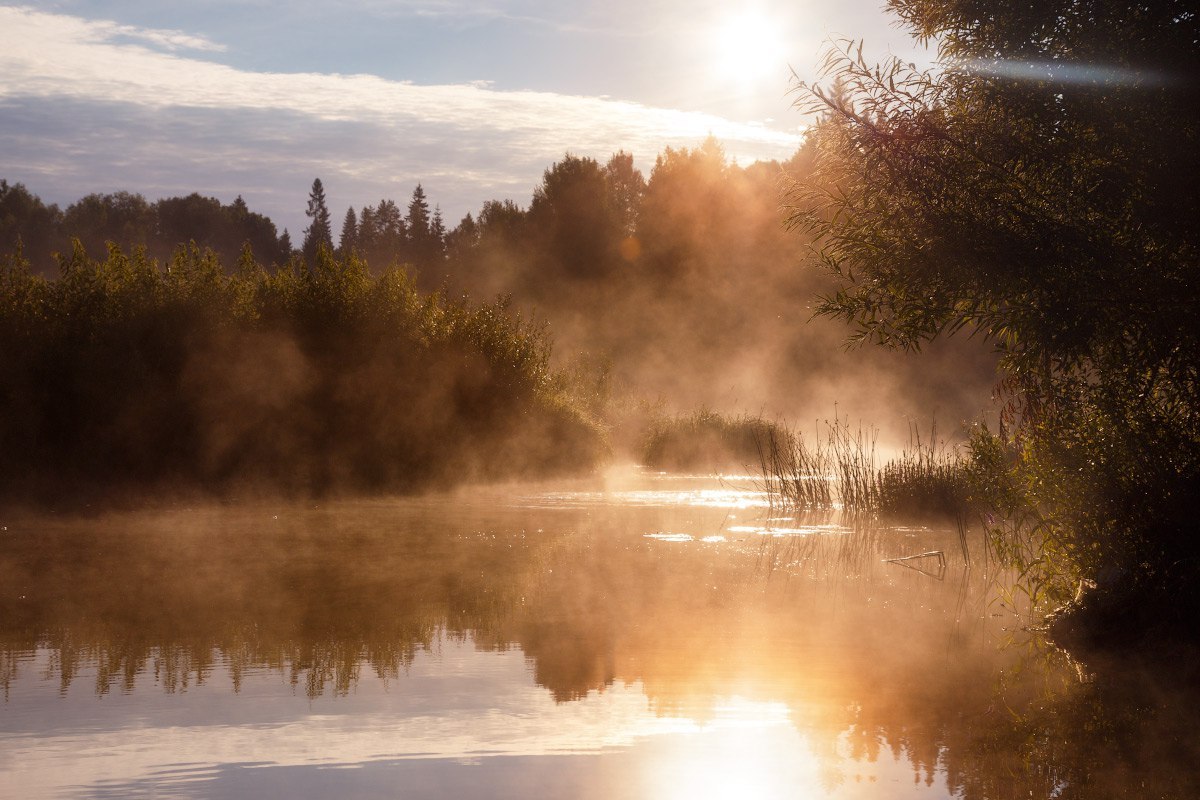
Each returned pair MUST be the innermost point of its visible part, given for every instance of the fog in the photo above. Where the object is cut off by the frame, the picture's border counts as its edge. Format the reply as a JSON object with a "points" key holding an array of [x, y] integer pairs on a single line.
{"points": [[688, 281], [385, 361]]}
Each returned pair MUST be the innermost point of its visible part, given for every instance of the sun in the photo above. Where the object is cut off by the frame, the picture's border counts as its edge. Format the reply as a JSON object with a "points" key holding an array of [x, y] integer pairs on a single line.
{"points": [[747, 47]]}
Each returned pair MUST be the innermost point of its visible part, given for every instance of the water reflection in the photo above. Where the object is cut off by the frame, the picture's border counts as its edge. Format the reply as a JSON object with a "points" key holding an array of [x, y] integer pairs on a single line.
{"points": [[508, 643]]}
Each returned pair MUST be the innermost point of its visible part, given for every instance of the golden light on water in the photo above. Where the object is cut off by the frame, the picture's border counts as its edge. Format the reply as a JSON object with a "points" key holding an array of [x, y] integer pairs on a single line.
{"points": [[733, 755]]}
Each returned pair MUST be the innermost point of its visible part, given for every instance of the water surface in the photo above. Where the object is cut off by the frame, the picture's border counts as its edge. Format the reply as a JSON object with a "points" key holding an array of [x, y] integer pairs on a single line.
{"points": [[647, 636]]}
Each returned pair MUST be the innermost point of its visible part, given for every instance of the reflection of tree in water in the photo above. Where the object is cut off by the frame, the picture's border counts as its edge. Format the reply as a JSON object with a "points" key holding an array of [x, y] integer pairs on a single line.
{"points": [[864, 667]]}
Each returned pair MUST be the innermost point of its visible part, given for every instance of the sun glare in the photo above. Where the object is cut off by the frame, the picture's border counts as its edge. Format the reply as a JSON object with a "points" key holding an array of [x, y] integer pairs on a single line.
{"points": [[747, 47], [749, 749]]}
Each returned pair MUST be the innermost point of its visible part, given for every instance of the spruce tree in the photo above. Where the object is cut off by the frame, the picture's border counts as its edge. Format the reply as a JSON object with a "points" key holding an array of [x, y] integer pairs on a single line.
{"points": [[437, 234], [420, 237], [319, 233], [349, 240]]}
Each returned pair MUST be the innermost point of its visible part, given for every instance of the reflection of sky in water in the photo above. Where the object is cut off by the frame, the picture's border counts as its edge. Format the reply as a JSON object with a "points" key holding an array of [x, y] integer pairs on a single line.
{"points": [[644, 637], [460, 721]]}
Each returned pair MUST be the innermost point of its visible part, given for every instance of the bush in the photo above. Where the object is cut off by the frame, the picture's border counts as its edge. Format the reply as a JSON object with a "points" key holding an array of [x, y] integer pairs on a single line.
{"points": [[124, 376]]}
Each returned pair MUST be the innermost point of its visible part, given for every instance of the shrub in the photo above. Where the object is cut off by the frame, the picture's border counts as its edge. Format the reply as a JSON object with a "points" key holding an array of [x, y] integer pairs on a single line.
{"points": [[124, 375]]}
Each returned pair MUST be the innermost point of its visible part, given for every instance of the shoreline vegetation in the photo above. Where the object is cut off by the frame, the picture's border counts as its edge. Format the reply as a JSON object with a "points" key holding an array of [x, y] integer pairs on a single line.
{"points": [[124, 377], [1033, 522], [997, 197]]}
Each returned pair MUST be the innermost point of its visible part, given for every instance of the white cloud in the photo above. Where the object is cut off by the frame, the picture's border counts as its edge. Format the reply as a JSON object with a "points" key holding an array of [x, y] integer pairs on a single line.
{"points": [[136, 98], [167, 39], [44, 54]]}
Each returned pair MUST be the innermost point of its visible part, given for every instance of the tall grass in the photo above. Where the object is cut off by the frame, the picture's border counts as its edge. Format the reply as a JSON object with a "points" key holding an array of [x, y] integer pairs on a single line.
{"points": [[841, 469]]}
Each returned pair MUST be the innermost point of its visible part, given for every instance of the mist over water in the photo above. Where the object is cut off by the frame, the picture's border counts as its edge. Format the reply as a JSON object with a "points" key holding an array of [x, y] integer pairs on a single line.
{"points": [[639, 636]]}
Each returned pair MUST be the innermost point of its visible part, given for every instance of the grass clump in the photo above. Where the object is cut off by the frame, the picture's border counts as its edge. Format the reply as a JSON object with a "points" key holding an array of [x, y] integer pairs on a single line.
{"points": [[840, 468], [128, 375], [707, 441], [926, 479]]}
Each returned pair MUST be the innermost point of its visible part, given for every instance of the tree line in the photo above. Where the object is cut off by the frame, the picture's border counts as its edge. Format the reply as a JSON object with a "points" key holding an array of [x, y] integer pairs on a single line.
{"points": [[130, 220], [679, 286]]}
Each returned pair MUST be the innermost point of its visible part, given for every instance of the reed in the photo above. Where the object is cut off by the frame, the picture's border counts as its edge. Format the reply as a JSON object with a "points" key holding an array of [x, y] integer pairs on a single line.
{"points": [[840, 469], [709, 441]]}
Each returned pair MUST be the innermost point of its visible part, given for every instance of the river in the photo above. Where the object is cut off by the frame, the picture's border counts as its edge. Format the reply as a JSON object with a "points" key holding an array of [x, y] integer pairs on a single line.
{"points": [[639, 635]]}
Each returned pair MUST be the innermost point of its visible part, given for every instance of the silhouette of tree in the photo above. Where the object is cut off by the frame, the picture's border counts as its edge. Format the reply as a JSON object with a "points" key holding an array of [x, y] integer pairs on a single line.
{"points": [[24, 218], [122, 217], [573, 216], [422, 248], [437, 232], [626, 186], [348, 242], [319, 232], [245, 227], [192, 219], [687, 210], [462, 240]]}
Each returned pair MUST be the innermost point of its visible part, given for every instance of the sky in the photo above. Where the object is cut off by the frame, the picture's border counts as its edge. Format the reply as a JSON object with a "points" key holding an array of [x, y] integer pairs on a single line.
{"points": [[474, 100]]}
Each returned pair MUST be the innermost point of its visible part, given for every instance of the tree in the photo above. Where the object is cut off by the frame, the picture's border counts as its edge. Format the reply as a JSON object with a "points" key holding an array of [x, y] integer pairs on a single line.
{"points": [[574, 215], [1038, 189], [388, 234], [319, 233], [687, 210], [422, 248], [626, 186], [193, 219], [25, 219], [123, 218], [348, 243], [438, 233], [463, 239]]}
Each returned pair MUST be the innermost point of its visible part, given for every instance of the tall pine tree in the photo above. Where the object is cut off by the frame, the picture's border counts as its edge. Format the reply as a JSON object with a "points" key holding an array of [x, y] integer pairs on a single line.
{"points": [[421, 248], [348, 243], [319, 232]]}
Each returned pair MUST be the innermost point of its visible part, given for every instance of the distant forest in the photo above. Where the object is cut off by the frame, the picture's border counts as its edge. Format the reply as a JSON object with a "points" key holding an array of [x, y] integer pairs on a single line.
{"points": [[586, 220], [683, 287], [186, 341]]}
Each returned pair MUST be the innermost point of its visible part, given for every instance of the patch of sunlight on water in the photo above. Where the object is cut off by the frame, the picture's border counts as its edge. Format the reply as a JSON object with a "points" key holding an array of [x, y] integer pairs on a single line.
{"points": [[806, 530], [669, 537], [706, 498]]}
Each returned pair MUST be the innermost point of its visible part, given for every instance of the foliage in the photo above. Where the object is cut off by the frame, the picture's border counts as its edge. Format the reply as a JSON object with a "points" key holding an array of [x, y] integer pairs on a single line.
{"points": [[124, 375], [1036, 190], [705, 440], [26, 223]]}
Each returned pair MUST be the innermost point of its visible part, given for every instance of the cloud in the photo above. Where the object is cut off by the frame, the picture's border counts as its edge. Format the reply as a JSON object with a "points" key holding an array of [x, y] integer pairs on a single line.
{"points": [[167, 39], [79, 98]]}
